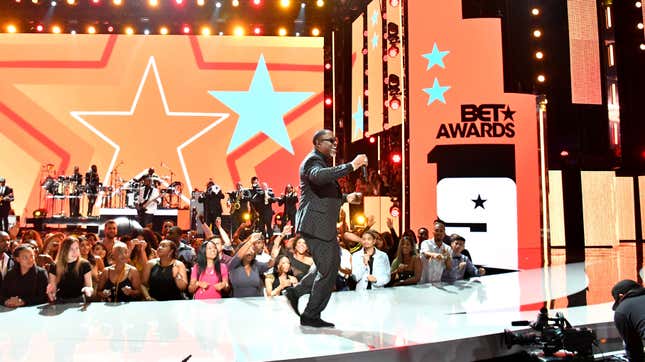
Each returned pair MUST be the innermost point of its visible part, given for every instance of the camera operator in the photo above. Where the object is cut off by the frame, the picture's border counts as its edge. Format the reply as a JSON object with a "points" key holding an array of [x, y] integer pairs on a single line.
{"points": [[629, 316]]}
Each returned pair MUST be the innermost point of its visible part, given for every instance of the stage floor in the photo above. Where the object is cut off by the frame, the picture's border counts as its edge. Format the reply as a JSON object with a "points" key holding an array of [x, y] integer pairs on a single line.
{"points": [[260, 329]]}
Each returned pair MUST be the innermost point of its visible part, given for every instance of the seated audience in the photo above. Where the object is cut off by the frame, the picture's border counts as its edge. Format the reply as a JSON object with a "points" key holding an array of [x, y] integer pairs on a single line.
{"points": [[406, 268], [209, 275], [370, 266], [281, 278], [70, 278], [165, 276], [26, 283], [120, 282], [462, 267]]}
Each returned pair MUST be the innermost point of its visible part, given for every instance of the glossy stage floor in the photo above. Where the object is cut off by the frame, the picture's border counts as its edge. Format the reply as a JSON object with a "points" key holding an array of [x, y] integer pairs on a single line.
{"points": [[438, 322]]}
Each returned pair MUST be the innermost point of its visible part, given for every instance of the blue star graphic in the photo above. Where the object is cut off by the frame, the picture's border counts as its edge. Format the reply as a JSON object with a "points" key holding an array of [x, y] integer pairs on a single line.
{"points": [[375, 40], [260, 109], [374, 17], [358, 119], [435, 57], [436, 92]]}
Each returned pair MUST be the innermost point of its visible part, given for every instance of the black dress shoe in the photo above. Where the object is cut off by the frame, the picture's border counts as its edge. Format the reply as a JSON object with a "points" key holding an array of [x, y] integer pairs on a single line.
{"points": [[292, 297], [315, 322]]}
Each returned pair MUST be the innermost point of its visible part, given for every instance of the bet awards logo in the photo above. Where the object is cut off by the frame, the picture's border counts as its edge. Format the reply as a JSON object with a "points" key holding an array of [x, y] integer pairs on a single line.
{"points": [[484, 120]]}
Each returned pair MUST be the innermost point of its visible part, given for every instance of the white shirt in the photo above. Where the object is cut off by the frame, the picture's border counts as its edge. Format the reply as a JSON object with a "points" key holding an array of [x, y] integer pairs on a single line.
{"points": [[263, 258], [380, 269], [433, 268], [345, 261], [154, 199]]}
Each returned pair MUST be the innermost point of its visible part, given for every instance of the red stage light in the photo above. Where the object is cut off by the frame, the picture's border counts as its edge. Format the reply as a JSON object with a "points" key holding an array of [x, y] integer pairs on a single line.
{"points": [[395, 103], [328, 101], [39, 27], [257, 2], [394, 2], [396, 158], [564, 153], [257, 30], [110, 28], [395, 211], [372, 139], [393, 51], [327, 66], [179, 2], [186, 29]]}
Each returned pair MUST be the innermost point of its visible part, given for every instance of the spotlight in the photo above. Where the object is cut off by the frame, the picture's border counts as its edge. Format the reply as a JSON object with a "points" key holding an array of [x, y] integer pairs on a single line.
{"points": [[395, 103], [73, 32], [71, 2], [110, 28], [537, 33], [129, 30], [541, 78], [117, 2], [186, 29], [395, 211], [539, 55], [315, 31], [282, 31], [394, 91], [564, 153], [236, 3], [56, 29], [238, 31], [146, 31], [535, 11], [163, 30], [257, 2], [53, 3], [218, 4], [394, 3], [642, 46], [327, 66], [34, 1], [39, 28], [91, 30], [95, 1], [639, 26], [39, 213], [303, 5], [153, 3], [206, 30], [396, 157], [638, 4], [200, 2], [285, 3], [360, 219], [372, 139], [393, 38], [320, 3], [393, 51], [297, 34], [328, 101], [179, 2], [11, 28], [257, 30], [246, 216]]}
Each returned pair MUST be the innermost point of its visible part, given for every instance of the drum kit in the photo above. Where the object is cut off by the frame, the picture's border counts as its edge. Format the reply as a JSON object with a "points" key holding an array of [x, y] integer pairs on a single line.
{"points": [[119, 193]]}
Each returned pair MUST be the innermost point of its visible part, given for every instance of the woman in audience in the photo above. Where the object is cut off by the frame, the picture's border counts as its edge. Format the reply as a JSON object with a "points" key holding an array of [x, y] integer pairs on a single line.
{"points": [[96, 263], [165, 276], [406, 267], [370, 266], [70, 279], [245, 272], [143, 248], [209, 276], [281, 278], [119, 282], [26, 283], [32, 235], [300, 260], [52, 244], [100, 252]]}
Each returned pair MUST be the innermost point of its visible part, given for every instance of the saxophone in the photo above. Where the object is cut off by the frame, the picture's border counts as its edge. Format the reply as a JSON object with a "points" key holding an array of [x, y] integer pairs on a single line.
{"points": [[235, 205]]}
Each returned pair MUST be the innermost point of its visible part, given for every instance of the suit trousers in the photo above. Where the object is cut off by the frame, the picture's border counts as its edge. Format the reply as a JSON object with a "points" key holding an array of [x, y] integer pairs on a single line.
{"points": [[320, 280]]}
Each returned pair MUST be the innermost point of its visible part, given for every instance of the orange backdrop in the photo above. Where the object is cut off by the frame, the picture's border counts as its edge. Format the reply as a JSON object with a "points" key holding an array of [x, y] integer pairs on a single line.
{"points": [[225, 108]]}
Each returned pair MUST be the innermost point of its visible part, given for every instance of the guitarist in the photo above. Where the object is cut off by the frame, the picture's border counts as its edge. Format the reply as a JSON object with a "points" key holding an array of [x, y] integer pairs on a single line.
{"points": [[148, 201]]}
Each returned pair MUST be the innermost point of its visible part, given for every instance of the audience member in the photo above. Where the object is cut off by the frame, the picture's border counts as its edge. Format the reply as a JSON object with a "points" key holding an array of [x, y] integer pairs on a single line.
{"points": [[436, 256], [25, 284], [281, 278], [246, 272], [300, 260], [165, 276], [406, 268], [370, 266], [70, 278], [209, 275], [461, 264], [120, 282]]}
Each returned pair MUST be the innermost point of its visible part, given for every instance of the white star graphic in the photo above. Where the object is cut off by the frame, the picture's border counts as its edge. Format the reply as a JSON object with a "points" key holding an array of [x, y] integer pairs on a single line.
{"points": [[78, 115]]}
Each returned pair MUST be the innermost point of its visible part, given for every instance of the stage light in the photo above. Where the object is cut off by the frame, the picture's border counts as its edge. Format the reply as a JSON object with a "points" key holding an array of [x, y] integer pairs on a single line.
{"points": [[153, 3], [34, 1], [73, 32], [236, 3], [327, 66], [95, 1], [53, 3], [179, 2], [395, 211], [642, 46], [393, 51], [328, 101], [257, 2], [56, 29], [71, 2], [110, 29], [539, 55], [564, 153], [186, 29], [91, 30], [394, 3], [315, 31], [117, 2], [638, 4], [146, 31], [246, 216], [129, 30], [39, 213], [395, 103], [372, 139], [639, 26], [218, 4], [320, 3], [39, 28], [541, 78], [163, 30], [537, 33], [297, 33], [200, 2], [257, 30], [282, 31], [285, 3], [396, 157], [238, 31], [220, 33], [11, 28], [303, 5], [206, 30], [535, 11], [360, 219]]}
